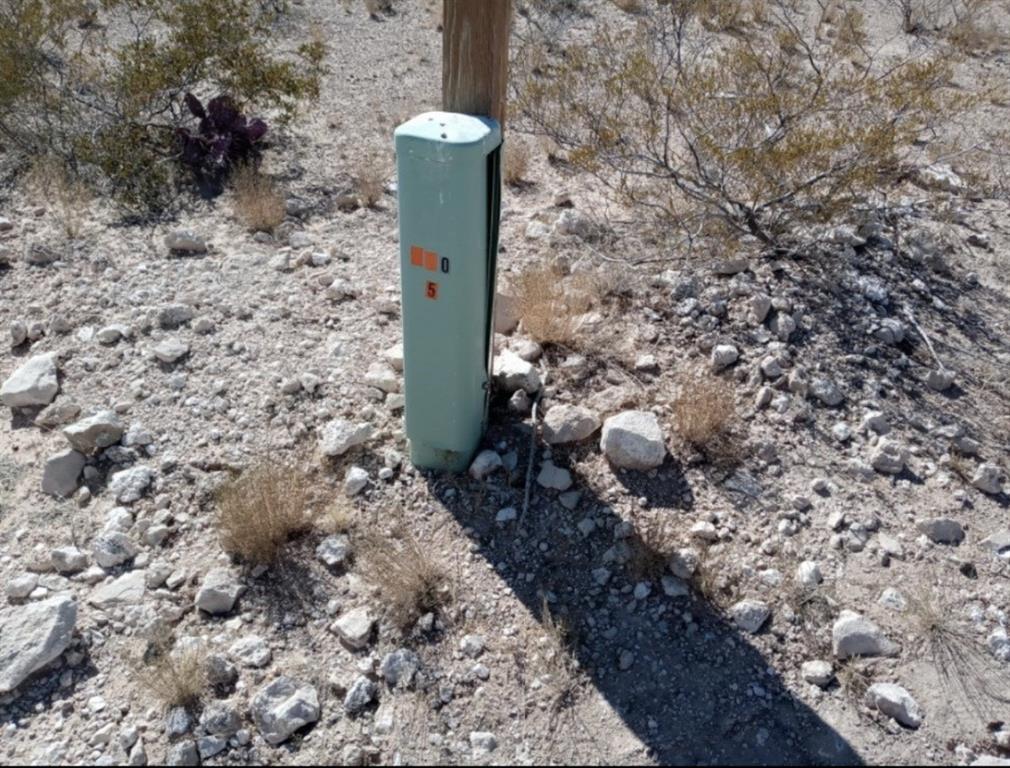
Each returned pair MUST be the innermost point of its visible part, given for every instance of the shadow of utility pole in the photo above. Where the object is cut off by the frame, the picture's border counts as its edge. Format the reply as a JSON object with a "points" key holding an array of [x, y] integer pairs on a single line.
{"points": [[693, 689]]}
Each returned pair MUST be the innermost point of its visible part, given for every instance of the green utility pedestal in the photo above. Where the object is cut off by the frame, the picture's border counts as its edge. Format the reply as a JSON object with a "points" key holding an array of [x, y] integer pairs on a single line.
{"points": [[449, 189]]}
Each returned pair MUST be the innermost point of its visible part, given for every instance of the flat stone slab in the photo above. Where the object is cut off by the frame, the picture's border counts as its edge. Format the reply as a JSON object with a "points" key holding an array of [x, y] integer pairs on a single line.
{"points": [[32, 636], [128, 589]]}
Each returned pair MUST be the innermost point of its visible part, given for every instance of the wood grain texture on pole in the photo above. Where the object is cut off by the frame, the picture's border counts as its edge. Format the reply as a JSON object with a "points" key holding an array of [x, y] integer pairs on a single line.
{"points": [[475, 56]]}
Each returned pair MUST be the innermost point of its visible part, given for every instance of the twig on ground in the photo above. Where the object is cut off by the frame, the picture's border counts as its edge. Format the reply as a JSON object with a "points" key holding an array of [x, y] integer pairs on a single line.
{"points": [[533, 444], [911, 318]]}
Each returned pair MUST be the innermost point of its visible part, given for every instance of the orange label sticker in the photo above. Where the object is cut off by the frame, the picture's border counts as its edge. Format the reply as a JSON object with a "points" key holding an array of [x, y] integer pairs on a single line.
{"points": [[430, 261], [416, 256], [431, 291]]}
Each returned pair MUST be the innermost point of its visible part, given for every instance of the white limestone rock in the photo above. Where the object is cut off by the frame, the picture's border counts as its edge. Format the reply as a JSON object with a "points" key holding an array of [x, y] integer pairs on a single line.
{"points": [[219, 592], [819, 673], [894, 701], [128, 589], [68, 560], [723, 356], [354, 628], [251, 651], [113, 548], [382, 376], [94, 432], [32, 636], [633, 440], [334, 550], [61, 473], [889, 457], [185, 241], [170, 350], [569, 424], [554, 477], [339, 436], [485, 463], [512, 373], [130, 485], [34, 383], [283, 707], [750, 615], [989, 478], [355, 481], [852, 635]]}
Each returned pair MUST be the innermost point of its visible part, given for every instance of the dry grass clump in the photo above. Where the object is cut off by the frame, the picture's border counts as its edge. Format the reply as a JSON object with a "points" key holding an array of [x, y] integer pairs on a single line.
{"points": [[261, 509], [966, 669], [704, 409], [338, 518], [557, 669], [716, 580], [960, 465], [516, 162], [69, 196], [410, 583], [257, 201], [854, 678], [370, 180], [177, 678], [550, 304], [652, 543]]}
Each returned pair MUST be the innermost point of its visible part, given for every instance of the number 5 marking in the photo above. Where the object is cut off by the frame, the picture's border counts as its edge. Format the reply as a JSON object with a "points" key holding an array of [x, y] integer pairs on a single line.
{"points": [[432, 290]]}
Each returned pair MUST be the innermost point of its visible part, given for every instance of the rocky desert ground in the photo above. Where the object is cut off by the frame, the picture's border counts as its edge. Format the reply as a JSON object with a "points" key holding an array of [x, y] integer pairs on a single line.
{"points": [[827, 584]]}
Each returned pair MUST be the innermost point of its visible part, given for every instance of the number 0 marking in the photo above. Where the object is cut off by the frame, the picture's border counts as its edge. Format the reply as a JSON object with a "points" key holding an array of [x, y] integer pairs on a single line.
{"points": [[432, 290]]}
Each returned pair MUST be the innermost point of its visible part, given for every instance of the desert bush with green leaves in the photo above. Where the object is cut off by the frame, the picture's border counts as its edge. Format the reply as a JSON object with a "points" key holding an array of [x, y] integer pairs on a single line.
{"points": [[727, 121], [102, 86]]}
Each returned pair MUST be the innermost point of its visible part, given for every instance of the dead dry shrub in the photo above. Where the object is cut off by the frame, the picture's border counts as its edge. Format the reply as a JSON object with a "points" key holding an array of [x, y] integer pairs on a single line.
{"points": [[376, 7], [516, 162], [409, 581], [968, 25], [974, 32], [261, 509], [257, 202], [370, 180], [628, 6], [711, 135], [177, 677], [918, 16], [704, 409], [551, 303]]}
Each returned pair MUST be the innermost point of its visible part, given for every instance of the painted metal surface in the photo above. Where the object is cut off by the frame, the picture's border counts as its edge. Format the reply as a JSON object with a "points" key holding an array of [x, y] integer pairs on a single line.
{"points": [[448, 168]]}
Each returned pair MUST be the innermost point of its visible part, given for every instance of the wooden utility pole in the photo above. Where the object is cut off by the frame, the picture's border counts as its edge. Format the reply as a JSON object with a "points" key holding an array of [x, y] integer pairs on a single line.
{"points": [[475, 56]]}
